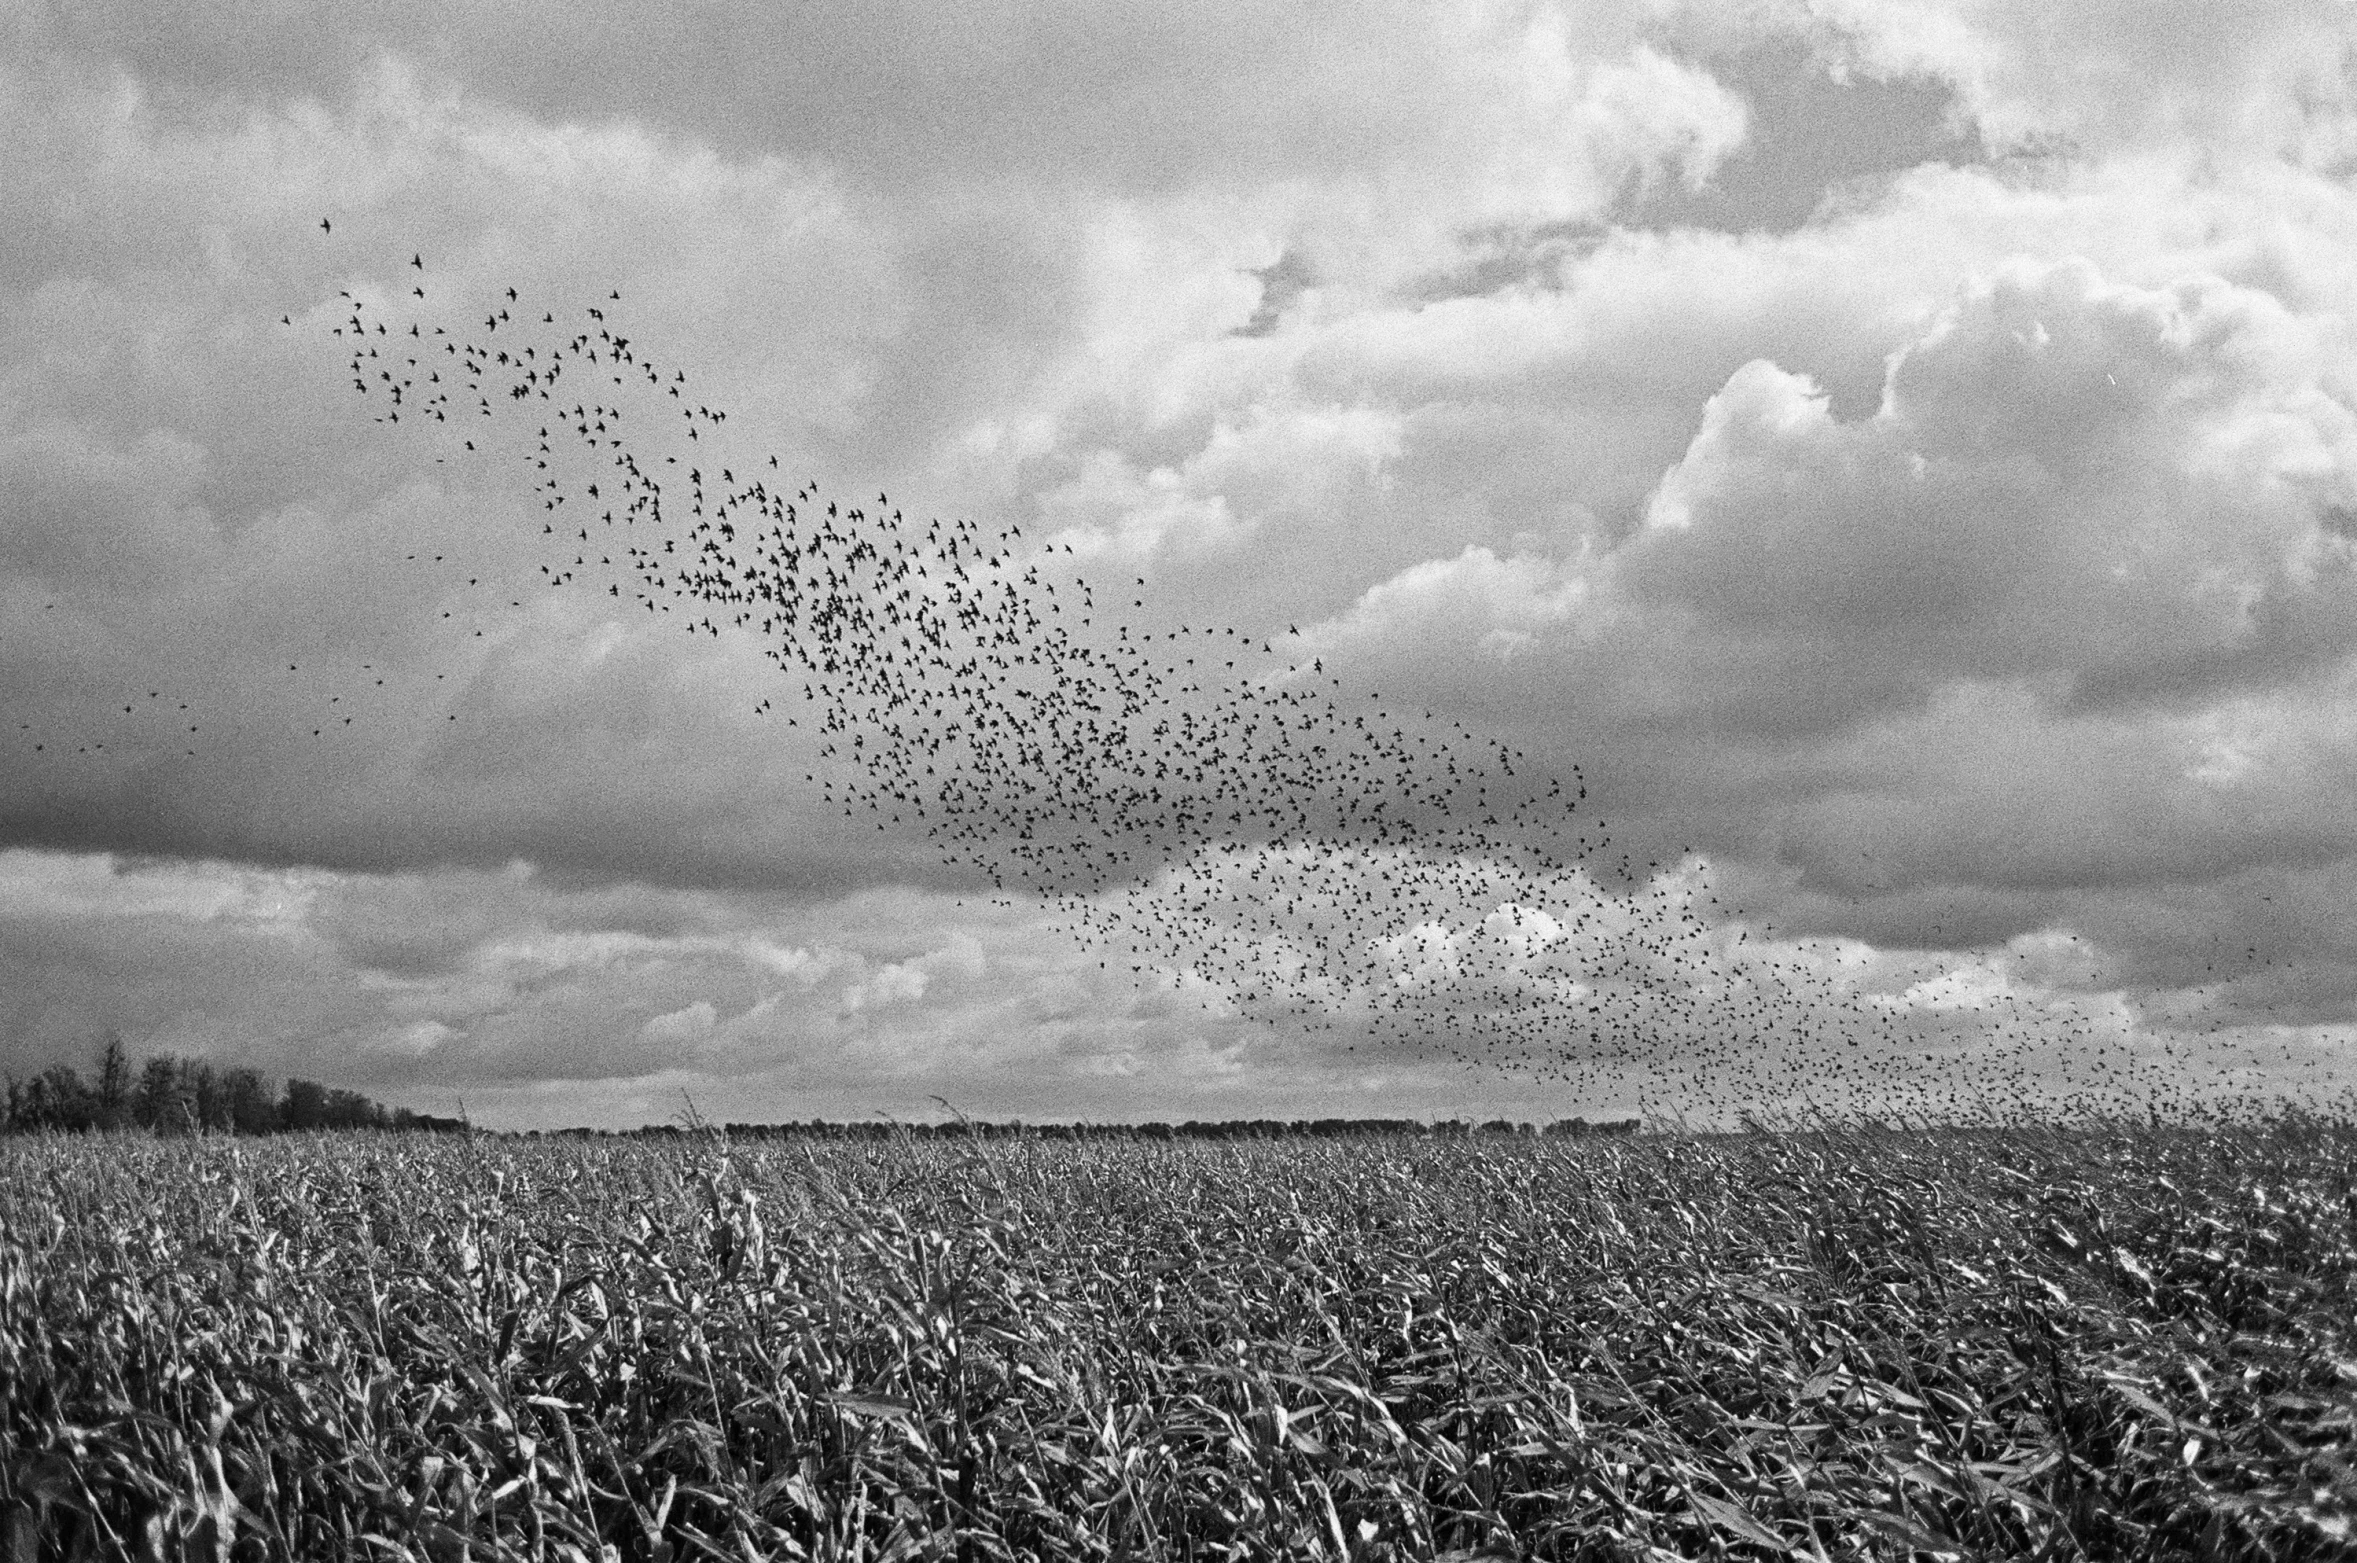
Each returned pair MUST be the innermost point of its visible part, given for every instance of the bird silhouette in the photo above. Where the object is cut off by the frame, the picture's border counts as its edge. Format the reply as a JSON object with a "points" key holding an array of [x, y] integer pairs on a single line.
{"points": [[1210, 816], [1236, 826]]}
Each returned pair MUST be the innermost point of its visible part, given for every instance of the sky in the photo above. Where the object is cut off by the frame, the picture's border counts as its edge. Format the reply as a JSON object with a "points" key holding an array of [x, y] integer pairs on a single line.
{"points": [[1904, 456]]}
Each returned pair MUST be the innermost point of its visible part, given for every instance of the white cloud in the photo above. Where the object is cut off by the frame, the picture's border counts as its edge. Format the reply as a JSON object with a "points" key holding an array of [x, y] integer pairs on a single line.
{"points": [[894, 982], [419, 1039], [2267, 79], [2121, 487], [681, 1027], [1972, 561], [1281, 464], [1476, 601]]}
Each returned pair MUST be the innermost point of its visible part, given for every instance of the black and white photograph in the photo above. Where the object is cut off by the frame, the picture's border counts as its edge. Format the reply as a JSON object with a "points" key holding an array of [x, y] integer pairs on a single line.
{"points": [[1541, 779]]}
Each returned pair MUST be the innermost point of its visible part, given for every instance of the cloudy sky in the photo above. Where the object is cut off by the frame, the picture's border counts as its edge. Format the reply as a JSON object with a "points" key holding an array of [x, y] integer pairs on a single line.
{"points": [[1905, 454]]}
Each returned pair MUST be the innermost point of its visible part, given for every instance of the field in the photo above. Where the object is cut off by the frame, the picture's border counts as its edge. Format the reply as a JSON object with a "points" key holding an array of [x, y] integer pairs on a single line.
{"points": [[2130, 1342]]}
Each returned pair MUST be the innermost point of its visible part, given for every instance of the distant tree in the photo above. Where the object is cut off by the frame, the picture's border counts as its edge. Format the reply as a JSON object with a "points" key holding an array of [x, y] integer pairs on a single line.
{"points": [[164, 1105], [169, 1094], [207, 1096], [304, 1106], [251, 1107], [68, 1103], [351, 1110], [115, 1103]]}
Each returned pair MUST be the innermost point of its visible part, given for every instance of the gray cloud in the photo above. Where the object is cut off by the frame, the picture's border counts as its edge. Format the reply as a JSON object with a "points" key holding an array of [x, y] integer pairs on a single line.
{"points": [[1820, 133], [1949, 542]]}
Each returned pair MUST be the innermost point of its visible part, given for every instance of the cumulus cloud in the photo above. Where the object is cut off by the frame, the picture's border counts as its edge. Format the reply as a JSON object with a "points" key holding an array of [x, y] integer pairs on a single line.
{"points": [[2121, 489], [2268, 79], [682, 1027], [540, 1003], [1901, 450], [2025, 628]]}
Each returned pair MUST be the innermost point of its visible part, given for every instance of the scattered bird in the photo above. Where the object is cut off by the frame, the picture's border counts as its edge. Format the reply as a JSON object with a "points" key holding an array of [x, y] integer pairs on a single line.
{"points": [[1232, 825]]}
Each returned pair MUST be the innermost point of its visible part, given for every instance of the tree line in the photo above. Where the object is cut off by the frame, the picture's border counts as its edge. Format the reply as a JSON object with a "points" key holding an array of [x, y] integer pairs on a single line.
{"points": [[168, 1094]]}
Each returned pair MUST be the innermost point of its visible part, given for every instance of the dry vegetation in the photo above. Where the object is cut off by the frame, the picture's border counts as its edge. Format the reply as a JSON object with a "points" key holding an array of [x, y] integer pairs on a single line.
{"points": [[2127, 1343]]}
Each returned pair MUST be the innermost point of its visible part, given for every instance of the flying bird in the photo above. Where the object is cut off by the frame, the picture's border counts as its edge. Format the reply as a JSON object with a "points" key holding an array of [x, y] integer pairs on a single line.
{"points": [[1253, 836]]}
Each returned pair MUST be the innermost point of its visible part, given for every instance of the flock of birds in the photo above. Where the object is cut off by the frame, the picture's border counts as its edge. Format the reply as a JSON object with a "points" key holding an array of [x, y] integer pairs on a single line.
{"points": [[1210, 811]]}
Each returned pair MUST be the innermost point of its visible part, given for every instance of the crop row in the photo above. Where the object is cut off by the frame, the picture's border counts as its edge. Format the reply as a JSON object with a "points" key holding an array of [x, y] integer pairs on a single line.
{"points": [[2114, 1343]]}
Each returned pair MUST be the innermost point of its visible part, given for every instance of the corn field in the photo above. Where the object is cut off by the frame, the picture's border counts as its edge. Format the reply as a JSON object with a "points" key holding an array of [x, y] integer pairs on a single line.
{"points": [[2105, 1343]]}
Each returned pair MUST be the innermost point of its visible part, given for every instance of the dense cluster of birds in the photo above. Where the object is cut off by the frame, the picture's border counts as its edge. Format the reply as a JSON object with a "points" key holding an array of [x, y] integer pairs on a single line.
{"points": [[1211, 811]]}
